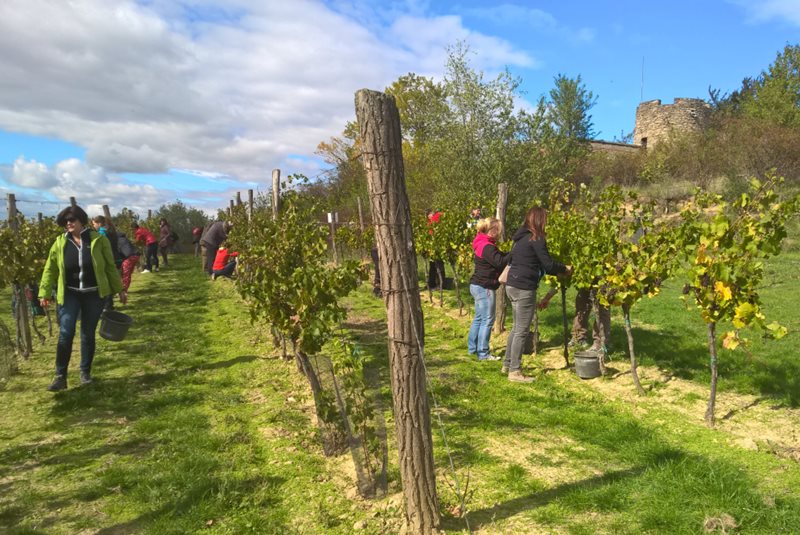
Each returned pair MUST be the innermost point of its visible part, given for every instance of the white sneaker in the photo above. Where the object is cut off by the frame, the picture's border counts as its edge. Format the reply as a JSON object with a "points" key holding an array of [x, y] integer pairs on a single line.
{"points": [[145, 271]]}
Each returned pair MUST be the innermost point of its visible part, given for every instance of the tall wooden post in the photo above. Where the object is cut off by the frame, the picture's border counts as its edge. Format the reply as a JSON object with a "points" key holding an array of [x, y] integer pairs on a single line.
{"points": [[500, 295], [276, 193], [73, 202], [107, 214], [39, 217], [238, 198], [149, 214], [379, 124], [230, 208], [332, 217], [24, 340], [249, 204]]}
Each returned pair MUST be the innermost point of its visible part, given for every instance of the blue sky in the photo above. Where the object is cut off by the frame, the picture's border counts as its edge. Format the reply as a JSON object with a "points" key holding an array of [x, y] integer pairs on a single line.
{"points": [[140, 103]]}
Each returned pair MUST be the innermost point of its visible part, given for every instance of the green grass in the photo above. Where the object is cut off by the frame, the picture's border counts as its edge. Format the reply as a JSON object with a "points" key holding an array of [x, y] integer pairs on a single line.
{"points": [[557, 457], [672, 336], [189, 427], [195, 425]]}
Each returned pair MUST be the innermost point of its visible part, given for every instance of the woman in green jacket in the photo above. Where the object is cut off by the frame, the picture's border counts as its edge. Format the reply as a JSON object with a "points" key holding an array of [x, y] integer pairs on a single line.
{"points": [[81, 266]]}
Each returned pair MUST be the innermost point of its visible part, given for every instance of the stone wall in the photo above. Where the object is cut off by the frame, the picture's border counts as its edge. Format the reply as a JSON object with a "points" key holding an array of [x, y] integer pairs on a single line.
{"points": [[656, 122], [612, 147]]}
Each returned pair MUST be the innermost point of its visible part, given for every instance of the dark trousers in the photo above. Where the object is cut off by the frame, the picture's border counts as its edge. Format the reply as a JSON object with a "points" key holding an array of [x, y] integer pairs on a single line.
{"points": [[227, 271], [435, 270], [151, 256], [211, 255], [164, 255], [89, 305]]}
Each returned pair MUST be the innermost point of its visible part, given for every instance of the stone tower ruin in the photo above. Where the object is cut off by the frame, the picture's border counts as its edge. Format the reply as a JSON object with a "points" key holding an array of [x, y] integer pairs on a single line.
{"points": [[656, 122]]}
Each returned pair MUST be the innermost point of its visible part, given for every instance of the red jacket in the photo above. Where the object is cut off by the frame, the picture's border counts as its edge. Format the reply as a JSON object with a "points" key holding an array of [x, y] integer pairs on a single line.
{"points": [[144, 236], [222, 258]]}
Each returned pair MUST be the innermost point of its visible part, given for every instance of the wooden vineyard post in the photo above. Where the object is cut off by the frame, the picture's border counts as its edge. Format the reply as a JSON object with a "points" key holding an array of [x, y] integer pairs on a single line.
{"points": [[24, 340], [249, 205], [230, 208], [379, 124], [564, 319], [149, 214], [238, 198], [276, 193], [500, 299], [72, 202], [107, 214]]}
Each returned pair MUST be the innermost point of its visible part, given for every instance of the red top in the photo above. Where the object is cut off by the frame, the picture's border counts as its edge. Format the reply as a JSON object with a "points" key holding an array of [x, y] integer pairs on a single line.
{"points": [[222, 258], [144, 236], [432, 220], [197, 232]]}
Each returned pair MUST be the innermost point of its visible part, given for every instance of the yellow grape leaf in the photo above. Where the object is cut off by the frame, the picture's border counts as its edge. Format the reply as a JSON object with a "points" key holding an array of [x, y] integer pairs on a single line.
{"points": [[745, 312], [730, 340], [777, 330], [723, 291]]}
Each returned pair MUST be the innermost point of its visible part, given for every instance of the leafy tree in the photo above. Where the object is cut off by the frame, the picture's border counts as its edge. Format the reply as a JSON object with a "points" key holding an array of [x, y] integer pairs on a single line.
{"points": [[775, 94], [289, 284], [181, 218], [557, 135], [345, 182], [646, 256], [726, 246], [124, 220]]}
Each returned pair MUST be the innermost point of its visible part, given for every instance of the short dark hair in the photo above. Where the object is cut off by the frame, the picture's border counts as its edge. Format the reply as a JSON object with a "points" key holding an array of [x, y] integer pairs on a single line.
{"points": [[72, 211]]}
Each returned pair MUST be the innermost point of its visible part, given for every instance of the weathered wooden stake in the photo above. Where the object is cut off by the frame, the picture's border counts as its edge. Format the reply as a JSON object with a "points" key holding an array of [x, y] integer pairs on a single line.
{"points": [[379, 124], [73, 202], [107, 215], [238, 198], [249, 204], [276, 193], [500, 295], [39, 217], [149, 214]]}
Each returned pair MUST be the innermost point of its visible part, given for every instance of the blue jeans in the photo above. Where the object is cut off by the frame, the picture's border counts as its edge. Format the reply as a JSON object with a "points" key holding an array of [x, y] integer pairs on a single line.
{"points": [[89, 305], [523, 305], [481, 328]]}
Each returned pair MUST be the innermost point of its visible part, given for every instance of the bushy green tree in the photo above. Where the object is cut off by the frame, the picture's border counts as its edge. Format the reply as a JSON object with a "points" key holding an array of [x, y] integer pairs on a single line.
{"points": [[774, 95]]}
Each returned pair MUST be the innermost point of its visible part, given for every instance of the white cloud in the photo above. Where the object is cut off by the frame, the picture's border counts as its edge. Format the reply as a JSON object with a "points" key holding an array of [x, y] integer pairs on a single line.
{"points": [[31, 174], [90, 185], [235, 89], [766, 10]]}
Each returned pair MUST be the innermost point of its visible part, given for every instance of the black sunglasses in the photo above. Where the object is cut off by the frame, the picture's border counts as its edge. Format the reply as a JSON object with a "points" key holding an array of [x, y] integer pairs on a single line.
{"points": [[70, 219]]}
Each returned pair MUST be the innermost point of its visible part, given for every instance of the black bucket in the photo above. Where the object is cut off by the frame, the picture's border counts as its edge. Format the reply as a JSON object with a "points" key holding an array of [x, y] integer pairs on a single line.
{"points": [[587, 364], [114, 325]]}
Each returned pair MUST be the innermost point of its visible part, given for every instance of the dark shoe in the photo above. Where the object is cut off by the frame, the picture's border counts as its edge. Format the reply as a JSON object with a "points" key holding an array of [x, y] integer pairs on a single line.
{"points": [[86, 378], [59, 383]]}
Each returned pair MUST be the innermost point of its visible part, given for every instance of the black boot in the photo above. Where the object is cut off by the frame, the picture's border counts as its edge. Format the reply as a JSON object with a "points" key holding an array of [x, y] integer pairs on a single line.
{"points": [[59, 383]]}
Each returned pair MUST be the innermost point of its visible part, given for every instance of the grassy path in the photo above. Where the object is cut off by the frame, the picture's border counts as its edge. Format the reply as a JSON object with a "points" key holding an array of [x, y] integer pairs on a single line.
{"points": [[557, 456], [194, 425], [187, 428]]}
